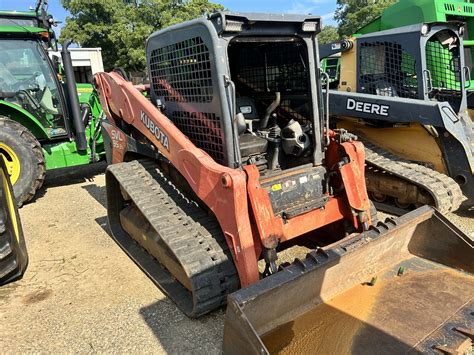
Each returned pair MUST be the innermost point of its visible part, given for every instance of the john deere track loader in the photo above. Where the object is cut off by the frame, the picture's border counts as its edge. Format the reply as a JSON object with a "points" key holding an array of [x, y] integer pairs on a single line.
{"points": [[229, 162], [410, 12], [43, 125], [403, 92], [13, 254]]}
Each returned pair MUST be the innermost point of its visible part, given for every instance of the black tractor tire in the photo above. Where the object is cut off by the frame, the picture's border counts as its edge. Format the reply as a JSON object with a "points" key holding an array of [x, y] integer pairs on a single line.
{"points": [[28, 150]]}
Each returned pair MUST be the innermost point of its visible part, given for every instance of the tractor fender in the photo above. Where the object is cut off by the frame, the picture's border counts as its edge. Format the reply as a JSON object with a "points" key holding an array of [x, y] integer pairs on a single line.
{"points": [[20, 115]]}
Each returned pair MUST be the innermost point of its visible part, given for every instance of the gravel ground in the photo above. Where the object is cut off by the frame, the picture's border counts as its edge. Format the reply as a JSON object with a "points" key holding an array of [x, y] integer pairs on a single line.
{"points": [[81, 293]]}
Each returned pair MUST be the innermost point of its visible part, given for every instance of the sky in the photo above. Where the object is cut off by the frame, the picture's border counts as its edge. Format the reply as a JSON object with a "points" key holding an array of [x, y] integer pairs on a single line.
{"points": [[324, 8]]}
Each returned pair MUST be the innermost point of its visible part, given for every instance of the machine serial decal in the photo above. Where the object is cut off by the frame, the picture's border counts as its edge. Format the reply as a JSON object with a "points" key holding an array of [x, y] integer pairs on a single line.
{"points": [[117, 139], [155, 130], [367, 107]]}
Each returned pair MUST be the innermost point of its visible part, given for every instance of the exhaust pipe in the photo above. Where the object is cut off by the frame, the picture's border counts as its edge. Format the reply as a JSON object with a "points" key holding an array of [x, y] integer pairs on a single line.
{"points": [[79, 127]]}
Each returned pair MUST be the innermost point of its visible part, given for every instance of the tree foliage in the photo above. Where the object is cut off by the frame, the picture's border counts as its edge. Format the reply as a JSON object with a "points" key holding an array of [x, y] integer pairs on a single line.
{"points": [[121, 27], [328, 34], [353, 14]]}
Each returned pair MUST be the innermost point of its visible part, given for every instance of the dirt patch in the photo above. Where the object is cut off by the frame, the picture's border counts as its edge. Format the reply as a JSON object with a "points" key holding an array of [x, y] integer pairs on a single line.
{"points": [[392, 316], [328, 328], [36, 297], [81, 291]]}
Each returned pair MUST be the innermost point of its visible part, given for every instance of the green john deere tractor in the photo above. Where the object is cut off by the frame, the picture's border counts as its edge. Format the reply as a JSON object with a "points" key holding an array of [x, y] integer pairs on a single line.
{"points": [[46, 122]]}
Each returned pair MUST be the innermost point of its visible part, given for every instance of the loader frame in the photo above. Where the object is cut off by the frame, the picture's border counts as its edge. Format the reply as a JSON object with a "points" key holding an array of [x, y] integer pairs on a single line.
{"points": [[404, 76], [222, 189], [189, 119]]}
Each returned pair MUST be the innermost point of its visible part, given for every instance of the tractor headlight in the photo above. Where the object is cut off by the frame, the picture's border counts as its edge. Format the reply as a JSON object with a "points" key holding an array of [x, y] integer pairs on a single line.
{"points": [[461, 30], [310, 26], [425, 29], [233, 26]]}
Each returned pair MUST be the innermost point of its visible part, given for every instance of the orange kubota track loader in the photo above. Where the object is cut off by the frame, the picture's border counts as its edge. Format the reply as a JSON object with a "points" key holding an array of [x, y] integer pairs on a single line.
{"points": [[229, 161]]}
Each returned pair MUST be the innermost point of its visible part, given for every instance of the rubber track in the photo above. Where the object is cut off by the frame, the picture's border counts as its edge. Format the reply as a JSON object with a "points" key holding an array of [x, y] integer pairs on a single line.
{"points": [[446, 193], [194, 237]]}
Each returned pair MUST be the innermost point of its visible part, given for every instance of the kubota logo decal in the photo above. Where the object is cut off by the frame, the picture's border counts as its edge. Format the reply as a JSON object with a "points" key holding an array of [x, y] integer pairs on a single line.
{"points": [[155, 130]]}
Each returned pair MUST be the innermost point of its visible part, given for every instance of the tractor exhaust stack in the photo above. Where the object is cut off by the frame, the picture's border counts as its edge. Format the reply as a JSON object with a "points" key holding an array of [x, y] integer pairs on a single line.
{"points": [[73, 100]]}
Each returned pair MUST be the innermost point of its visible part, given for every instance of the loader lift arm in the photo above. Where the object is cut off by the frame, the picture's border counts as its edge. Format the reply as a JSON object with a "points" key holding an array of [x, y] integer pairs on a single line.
{"points": [[222, 189]]}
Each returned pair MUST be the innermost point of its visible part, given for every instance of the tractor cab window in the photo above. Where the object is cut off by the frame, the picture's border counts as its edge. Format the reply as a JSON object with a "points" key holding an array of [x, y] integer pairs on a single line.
{"points": [[27, 79]]}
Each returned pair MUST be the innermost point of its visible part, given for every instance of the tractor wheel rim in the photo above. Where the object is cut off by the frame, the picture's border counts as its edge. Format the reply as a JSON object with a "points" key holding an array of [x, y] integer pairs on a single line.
{"points": [[12, 162]]}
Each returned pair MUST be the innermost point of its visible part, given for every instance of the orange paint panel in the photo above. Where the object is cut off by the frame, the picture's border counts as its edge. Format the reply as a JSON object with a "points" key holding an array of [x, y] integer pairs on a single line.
{"points": [[269, 227], [353, 176], [118, 141], [307, 222]]}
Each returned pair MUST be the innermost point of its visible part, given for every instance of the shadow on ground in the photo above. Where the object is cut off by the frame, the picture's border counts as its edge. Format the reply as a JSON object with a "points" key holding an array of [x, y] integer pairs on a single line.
{"points": [[98, 193], [466, 209], [73, 175], [179, 334], [104, 224], [69, 176], [175, 332]]}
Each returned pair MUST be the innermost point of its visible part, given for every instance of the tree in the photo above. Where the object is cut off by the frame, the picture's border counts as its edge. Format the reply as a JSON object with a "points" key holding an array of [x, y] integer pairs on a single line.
{"points": [[353, 14], [121, 27], [328, 34]]}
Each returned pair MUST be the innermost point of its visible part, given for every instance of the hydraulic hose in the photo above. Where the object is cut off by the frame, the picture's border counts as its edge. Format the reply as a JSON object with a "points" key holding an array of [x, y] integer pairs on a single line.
{"points": [[270, 109]]}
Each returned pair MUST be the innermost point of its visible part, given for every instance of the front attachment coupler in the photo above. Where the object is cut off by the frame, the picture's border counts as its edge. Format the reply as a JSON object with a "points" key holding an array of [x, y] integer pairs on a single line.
{"points": [[270, 256]]}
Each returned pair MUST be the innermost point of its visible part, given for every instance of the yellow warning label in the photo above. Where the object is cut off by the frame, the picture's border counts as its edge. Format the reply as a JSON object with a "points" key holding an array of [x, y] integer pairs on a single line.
{"points": [[84, 90], [276, 187]]}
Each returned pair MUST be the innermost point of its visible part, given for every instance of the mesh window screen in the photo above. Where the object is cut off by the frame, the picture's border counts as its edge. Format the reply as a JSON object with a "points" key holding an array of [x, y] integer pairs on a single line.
{"points": [[181, 72], [386, 69], [204, 130], [270, 67], [444, 65], [263, 68]]}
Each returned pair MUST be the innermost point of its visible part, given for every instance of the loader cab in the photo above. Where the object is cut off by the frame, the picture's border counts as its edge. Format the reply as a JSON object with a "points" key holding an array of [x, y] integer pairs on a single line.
{"points": [[259, 103], [423, 61], [273, 98]]}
